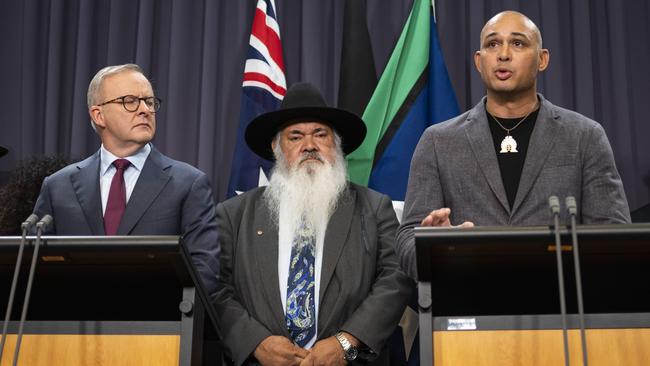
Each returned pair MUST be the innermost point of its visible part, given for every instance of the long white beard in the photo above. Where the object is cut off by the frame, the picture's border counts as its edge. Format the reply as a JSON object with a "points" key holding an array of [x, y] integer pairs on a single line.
{"points": [[305, 196]]}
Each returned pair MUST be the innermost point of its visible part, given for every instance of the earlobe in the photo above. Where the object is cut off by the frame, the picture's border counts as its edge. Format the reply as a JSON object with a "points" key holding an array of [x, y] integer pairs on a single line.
{"points": [[477, 61], [544, 58], [96, 116]]}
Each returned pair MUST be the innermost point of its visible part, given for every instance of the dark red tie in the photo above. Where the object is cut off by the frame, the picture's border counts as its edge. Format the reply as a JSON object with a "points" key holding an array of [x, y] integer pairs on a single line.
{"points": [[116, 198]]}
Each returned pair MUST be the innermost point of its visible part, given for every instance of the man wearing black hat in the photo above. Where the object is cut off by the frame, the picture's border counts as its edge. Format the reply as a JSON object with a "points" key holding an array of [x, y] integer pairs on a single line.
{"points": [[308, 270]]}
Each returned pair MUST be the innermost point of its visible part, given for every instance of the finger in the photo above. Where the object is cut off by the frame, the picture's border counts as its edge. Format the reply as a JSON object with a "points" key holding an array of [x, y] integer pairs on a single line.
{"points": [[433, 220], [301, 352], [439, 217], [467, 224], [427, 221], [308, 361]]}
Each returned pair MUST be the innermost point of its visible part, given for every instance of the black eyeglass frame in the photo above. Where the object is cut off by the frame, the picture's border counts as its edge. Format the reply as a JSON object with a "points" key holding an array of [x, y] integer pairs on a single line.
{"points": [[153, 103]]}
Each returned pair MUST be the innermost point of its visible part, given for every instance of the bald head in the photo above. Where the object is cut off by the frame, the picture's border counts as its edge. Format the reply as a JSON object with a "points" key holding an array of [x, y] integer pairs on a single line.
{"points": [[511, 15], [510, 57]]}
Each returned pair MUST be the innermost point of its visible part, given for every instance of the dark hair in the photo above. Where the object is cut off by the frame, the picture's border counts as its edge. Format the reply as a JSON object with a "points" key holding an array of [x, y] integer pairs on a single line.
{"points": [[19, 195]]}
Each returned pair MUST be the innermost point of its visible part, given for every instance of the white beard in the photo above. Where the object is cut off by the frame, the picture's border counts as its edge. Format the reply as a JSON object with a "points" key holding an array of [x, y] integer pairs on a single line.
{"points": [[305, 196]]}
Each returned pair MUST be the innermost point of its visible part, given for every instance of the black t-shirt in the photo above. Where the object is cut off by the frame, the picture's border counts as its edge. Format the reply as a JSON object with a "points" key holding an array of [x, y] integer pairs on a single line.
{"points": [[511, 164]]}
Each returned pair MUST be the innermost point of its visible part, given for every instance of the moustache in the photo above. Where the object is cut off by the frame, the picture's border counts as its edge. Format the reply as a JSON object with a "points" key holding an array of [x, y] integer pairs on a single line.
{"points": [[311, 155]]}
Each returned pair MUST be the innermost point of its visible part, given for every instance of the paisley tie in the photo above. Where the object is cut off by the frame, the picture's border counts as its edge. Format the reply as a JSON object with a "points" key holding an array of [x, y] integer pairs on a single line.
{"points": [[301, 312]]}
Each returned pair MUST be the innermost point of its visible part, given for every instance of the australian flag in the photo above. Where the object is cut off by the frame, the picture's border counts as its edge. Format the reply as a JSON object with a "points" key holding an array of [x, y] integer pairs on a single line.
{"points": [[264, 86]]}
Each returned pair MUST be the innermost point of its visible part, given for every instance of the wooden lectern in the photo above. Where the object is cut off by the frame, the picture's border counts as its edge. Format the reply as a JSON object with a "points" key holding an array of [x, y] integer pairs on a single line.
{"points": [[109, 301], [489, 295]]}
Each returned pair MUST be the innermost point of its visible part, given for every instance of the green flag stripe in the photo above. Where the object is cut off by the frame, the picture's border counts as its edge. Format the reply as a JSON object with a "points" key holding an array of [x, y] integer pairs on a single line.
{"points": [[407, 62], [402, 112]]}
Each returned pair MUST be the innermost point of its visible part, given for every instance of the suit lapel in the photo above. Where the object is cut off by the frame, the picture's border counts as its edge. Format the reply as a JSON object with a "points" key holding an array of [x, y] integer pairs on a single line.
{"points": [[482, 145], [265, 242], [335, 239], [85, 183], [153, 178], [540, 146]]}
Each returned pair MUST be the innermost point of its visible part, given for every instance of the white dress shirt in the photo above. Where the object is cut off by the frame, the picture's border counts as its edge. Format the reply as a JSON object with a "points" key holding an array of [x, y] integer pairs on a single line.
{"points": [[131, 174]]}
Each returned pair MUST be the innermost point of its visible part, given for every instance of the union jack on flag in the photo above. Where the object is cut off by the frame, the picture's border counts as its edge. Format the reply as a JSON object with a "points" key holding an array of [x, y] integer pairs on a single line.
{"points": [[264, 86]]}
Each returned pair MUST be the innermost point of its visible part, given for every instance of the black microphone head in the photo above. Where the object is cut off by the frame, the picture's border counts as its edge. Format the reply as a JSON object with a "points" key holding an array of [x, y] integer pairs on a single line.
{"points": [[571, 205], [554, 204], [45, 222], [29, 222]]}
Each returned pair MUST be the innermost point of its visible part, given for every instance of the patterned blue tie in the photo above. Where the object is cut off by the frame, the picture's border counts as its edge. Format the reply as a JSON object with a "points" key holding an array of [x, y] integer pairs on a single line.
{"points": [[301, 314]]}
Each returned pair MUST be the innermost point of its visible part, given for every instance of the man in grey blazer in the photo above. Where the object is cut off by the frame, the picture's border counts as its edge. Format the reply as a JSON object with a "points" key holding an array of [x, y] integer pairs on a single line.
{"points": [[308, 269], [154, 195], [498, 163]]}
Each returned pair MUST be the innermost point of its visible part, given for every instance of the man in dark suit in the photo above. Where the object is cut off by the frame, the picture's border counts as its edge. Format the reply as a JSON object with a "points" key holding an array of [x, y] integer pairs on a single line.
{"points": [[308, 269], [128, 187], [498, 163]]}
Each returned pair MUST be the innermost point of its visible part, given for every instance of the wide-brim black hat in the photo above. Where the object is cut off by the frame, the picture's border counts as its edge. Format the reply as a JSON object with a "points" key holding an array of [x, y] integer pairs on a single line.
{"points": [[3, 151], [303, 102]]}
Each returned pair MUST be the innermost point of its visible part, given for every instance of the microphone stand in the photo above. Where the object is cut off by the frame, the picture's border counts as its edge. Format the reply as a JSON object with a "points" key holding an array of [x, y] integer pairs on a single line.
{"points": [[25, 226], [572, 208], [554, 205], [40, 227]]}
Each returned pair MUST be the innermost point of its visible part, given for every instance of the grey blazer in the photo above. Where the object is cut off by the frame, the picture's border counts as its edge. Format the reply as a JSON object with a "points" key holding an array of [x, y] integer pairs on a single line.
{"points": [[362, 289], [169, 198], [455, 165]]}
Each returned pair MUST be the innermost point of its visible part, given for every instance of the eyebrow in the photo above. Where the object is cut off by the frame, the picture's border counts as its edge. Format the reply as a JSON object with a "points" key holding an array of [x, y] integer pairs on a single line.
{"points": [[520, 34], [315, 130]]}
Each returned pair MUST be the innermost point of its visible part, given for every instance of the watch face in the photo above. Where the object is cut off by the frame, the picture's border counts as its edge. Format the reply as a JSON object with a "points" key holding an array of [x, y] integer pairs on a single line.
{"points": [[351, 354]]}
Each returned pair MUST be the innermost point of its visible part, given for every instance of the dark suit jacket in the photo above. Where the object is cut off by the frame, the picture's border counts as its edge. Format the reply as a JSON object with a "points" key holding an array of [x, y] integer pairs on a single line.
{"points": [[362, 290], [455, 165], [169, 198]]}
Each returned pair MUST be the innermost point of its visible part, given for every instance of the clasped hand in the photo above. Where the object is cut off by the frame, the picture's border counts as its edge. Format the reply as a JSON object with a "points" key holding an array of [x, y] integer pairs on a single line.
{"points": [[278, 350]]}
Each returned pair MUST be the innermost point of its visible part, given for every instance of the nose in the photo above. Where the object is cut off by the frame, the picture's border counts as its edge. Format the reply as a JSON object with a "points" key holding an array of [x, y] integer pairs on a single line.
{"points": [[504, 53], [308, 144]]}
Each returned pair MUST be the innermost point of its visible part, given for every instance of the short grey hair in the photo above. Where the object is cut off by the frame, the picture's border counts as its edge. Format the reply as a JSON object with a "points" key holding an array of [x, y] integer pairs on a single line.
{"points": [[95, 86]]}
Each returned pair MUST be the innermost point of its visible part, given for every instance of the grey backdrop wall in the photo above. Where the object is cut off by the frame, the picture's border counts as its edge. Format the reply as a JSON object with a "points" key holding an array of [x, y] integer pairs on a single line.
{"points": [[194, 53]]}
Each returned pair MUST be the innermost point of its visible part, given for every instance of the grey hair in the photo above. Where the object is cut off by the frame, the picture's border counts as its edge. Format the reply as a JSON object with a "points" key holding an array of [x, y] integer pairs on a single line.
{"points": [[94, 88]]}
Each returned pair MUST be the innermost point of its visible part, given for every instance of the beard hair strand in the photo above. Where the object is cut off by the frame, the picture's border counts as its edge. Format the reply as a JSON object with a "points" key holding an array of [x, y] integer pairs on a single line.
{"points": [[304, 196]]}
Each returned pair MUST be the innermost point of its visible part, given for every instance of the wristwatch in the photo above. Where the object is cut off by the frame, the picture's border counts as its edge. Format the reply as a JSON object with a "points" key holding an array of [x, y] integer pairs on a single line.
{"points": [[350, 352]]}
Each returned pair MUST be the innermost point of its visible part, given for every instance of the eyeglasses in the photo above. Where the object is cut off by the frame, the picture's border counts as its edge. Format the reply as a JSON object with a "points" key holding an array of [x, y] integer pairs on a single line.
{"points": [[131, 103]]}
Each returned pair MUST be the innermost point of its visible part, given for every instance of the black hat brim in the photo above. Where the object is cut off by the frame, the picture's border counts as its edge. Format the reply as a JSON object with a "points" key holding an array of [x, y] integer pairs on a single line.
{"points": [[261, 131]]}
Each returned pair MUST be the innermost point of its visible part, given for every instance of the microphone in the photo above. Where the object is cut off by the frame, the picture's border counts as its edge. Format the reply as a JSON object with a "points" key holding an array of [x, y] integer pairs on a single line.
{"points": [[554, 205], [29, 222], [45, 223], [572, 209], [25, 226], [41, 226]]}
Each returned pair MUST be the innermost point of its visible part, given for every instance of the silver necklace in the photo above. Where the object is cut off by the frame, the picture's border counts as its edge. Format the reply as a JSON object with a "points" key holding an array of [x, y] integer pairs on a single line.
{"points": [[509, 144]]}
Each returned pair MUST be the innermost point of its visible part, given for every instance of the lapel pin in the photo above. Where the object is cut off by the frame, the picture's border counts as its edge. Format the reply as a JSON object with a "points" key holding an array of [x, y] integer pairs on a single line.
{"points": [[259, 232]]}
